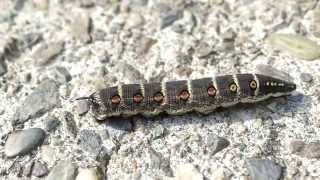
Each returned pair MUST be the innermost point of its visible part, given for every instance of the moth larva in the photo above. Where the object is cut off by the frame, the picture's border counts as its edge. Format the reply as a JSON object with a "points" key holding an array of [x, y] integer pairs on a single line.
{"points": [[177, 97]]}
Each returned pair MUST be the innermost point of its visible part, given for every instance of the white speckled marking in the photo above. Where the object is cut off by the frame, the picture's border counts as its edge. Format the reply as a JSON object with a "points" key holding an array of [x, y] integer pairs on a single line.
{"points": [[189, 84], [256, 92], [236, 81]]}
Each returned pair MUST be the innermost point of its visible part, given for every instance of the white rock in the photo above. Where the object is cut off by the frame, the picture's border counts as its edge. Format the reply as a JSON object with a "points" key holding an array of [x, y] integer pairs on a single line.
{"points": [[187, 172], [89, 174], [218, 174]]}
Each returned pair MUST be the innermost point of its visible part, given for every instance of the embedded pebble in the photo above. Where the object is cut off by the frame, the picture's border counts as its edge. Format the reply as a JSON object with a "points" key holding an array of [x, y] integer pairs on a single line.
{"points": [[132, 73], [134, 20], [51, 123], [24, 141], [263, 169], [90, 141], [306, 77], [187, 172], [87, 3], [158, 132], [27, 169], [89, 174], [40, 4], [310, 150], [136, 2], [144, 46], [39, 169], [80, 27], [297, 45], [62, 75], [204, 50], [82, 107], [42, 99], [64, 170], [169, 18], [47, 52], [156, 161], [70, 123], [28, 40], [215, 144]]}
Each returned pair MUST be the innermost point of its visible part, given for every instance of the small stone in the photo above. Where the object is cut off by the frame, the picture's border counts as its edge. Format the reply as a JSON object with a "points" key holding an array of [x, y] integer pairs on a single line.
{"points": [[158, 132], [80, 27], [51, 123], [229, 35], [90, 141], [157, 161], [134, 20], [71, 124], [136, 2], [48, 154], [204, 50], [311, 150], [218, 174], [22, 142], [9, 48], [64, 170], [82, 107], [89, 174], [47, 52], [169, 18], [215, 144], [144, 45], [154, 159], [62, 75], [184, 71], [39, 169], [87, 3], [297, 45], [3, 67], [187, 172], [29, 40], [263, 169], [306, 77], [132, 73], [40, 4], [42, 99], [27, 168]]}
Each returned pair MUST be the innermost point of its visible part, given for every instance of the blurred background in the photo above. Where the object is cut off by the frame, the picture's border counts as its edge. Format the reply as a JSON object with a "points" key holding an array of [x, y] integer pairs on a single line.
{"points": [[53, 51]]}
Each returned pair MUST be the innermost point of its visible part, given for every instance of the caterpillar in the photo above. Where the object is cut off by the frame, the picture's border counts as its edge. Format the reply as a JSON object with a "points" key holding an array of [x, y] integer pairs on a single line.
{"points": [[177, 97]]}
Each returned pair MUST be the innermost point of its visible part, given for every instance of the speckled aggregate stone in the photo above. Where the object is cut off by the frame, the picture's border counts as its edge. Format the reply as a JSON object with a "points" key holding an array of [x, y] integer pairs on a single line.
{"points": [[263, 169], [41, 100], [64, 170], [22, 142], [52, 52]]}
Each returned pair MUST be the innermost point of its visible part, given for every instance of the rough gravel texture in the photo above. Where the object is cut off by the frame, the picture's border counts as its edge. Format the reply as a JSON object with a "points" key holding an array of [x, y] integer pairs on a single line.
{"points": [[52, 52]]}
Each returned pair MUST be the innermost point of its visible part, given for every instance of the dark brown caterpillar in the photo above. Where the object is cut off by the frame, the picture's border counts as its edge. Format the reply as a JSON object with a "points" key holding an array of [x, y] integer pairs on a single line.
{"points": [[177, 97]]}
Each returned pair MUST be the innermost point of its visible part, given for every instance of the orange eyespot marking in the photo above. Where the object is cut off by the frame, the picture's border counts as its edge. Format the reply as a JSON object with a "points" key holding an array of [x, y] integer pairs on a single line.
{"points": [[253, 84], [233, 87], [158, 97], [137, 98], [211, 91], [115, 99], [184, 95]]}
